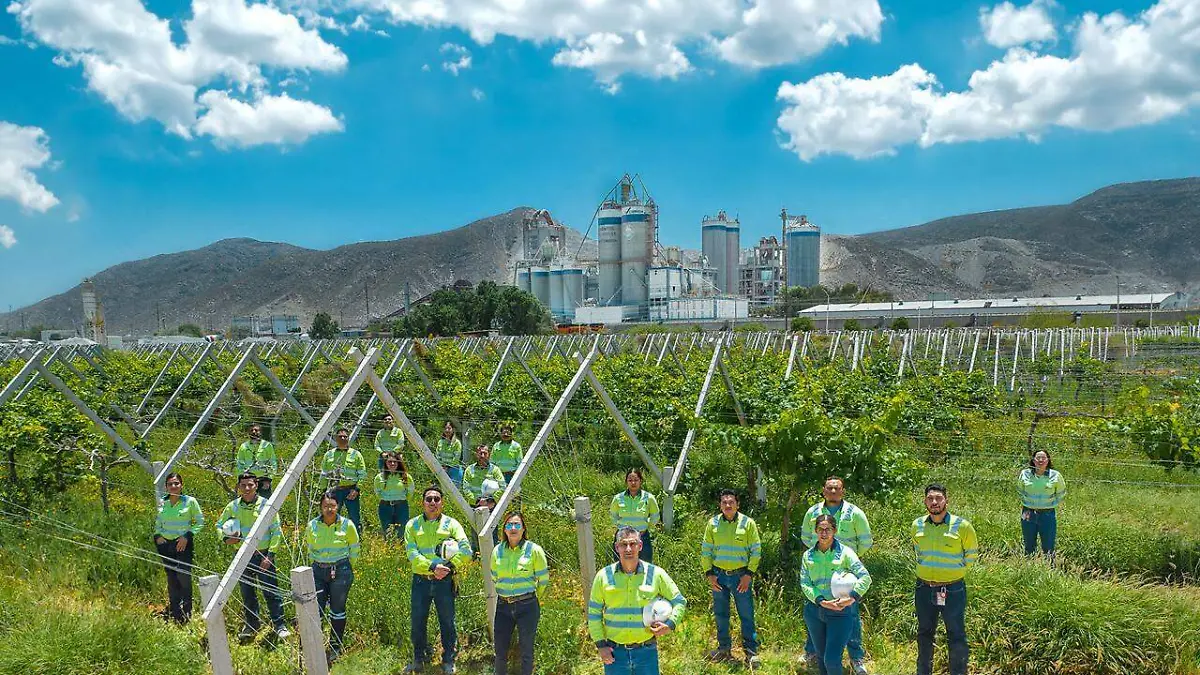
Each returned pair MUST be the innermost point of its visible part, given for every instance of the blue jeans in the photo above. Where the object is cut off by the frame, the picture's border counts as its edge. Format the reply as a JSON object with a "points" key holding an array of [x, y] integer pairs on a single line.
{"points": [[441, 594], [647, 554], [352, 506], [333, 586], [854, 647], [636, 661], [830, 632], [728, 582], [523, 617], [1040, 523], [456, 475], [268, 579], [392, 518], [954, 613]]}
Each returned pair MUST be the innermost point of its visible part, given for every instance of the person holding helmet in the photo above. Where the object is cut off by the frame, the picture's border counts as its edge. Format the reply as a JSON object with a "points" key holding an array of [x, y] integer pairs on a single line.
{"points": [[332, 544], [520, 574], [632, 604], [483, 480], [507, 453], [257, 456], [437, 549], [234, 524], [178, 520], [393, 486], [829, 591]]}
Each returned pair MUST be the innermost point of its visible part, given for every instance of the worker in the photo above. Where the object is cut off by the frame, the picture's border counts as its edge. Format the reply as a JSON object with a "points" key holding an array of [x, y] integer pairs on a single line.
{"points": [[507, 453], [332, 543], [482, 470], [1042, 490], [946, 548], [261, 571], [393, 486], [620, 594], [389, 439], [344, 468], [825, 614], [449, 453], [521, 576], [427, 538], [853, 530], [258, 457], [636, 508], [730, 555], [178, 521]]}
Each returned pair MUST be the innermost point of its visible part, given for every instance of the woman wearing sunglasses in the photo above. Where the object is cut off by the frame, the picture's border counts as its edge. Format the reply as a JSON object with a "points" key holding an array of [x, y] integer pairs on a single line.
{"points": [[520, 575]]}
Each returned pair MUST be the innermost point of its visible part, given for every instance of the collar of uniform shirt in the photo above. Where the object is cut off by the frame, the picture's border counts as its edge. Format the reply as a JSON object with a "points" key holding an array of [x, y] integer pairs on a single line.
{"points": [[945, 521]]}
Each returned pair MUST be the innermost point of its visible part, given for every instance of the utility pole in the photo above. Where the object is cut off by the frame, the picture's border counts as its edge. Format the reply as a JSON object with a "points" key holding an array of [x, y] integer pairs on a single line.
{"points": [[787, 305], [1118, 301], [367, 295]]}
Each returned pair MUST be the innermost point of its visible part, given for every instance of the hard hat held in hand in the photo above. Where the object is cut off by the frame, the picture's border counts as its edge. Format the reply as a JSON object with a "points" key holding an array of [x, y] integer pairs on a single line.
{"points": [[656, 612], [447, 549], [842, 583], [489, 488], [231, 528]]}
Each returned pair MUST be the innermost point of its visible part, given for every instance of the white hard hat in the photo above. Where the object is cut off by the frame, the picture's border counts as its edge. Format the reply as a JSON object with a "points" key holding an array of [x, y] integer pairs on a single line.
{"points": [[447, 549], [231, 528], [656, 612], [489, 488], [842, 583]]}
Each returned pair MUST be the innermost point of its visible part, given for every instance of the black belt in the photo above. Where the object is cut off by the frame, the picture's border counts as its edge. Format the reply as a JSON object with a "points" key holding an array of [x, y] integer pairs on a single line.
{"points": [[516, 598], [636, 645], [938, 584], [392, 502], [739, 571], [325, 565], [1030, 508]]}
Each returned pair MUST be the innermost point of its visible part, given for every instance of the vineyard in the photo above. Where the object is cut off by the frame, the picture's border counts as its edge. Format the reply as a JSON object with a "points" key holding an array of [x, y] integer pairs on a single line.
{"points": [[87, 436]]}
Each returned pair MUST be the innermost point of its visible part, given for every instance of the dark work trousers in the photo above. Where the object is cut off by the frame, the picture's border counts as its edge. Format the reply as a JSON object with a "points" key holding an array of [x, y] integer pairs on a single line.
{"points": [[1042, 523], [333, 586], [522, 616], [268, 580], [265, 487], [178, 565], [342, 495], [728, 581], [440, 594], [954, 613], [392, 518], [647, 554]]}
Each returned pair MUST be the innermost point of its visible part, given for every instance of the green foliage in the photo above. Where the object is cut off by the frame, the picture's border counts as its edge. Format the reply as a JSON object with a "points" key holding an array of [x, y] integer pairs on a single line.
{"points": [[851, 324], [486, 307], [1164, 431], [803, 323], [323, 327], [900, 323], [189, 329]]}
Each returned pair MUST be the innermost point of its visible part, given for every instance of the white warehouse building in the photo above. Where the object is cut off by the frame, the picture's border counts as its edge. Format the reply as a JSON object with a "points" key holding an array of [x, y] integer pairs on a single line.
{"points": [[982, 307]]}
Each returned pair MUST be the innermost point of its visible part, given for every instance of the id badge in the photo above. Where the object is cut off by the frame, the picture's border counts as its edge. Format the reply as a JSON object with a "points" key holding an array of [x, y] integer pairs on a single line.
{"points": [[939, 598], [333, 575]]}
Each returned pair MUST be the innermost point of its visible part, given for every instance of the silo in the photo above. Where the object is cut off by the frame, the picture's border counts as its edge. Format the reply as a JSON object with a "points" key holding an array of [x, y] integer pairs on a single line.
{"points": [[523, 280], [556, 291], [733, 256], [803, 253], [635, 253], [713, 245], [572, 291], [609, 289], [541, 285]]}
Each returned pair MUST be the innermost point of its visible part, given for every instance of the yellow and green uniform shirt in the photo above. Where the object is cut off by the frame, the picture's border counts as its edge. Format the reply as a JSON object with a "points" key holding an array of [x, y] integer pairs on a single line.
{"points": [[331, 543], [473, 478], [853, 530], [731, 544], [395, 487], [944, 552], [817, 569], [507, 456], [449, 453], [638, 512], [520, 570], [1041, 492], [257, 458], [245, 515], [175, 520], [617, 600], [422, 536], [350, 461]]}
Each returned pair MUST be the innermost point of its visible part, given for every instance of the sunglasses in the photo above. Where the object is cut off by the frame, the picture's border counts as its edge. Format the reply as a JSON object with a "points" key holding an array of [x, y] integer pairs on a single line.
{"points": [[431, 499], [512, 526]]}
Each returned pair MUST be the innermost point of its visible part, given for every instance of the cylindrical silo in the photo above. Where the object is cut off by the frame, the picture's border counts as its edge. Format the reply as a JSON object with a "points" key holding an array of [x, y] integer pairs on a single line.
{"points": [[733, 256], [609, 221], [556, 291], [803, 254], [714, 247], [635, 253], [541, 285], [523, 280], [572, 291]]}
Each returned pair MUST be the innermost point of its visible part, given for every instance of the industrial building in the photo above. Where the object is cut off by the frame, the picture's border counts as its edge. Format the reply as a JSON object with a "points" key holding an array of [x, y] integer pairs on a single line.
{"points": [[258, 326], [803, 242], [762, 272], [721, 245]]}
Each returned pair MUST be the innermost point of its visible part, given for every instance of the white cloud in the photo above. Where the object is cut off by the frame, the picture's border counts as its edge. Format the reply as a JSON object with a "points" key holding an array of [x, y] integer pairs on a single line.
{"points": [[775, 32], [1007, 25], [425, 68], [478, 94], [130, 58], [23, 149], [8, 238], [460, 58], [611, 55], [278, 120], [1122, 72], [5, 41]]}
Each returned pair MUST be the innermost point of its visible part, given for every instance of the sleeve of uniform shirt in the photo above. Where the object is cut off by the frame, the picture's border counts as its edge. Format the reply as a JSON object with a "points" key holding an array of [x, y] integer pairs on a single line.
{"points": [[420, 564], [244, 459], [468, 476], [541, 570], [464, 546], [408, 484], [197, 515], [327, 465], [708, 547], [651, 509], [379, 484], [271, 458], [357, 468], [310, 539], [1060, 491], [352, 540], [970, 544], [494, 565], [378, 434], [614, 510], [865, 539], [595, 611], [806, 584], [497, 475], [226, 514], [808, 533], [754, 541], [859, 570], [1021, 486], [666, 588], [912, 536], [275, 535]]}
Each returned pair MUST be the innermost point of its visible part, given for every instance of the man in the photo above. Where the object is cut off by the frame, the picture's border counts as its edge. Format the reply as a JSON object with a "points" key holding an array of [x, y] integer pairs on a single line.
{"points": [[854, 531], [261, 572], [730, 555], [483, 469], [433, 579], [344, 467], [946, 548], [620, 593], [257, 456], [389, 439], [507, 453]]}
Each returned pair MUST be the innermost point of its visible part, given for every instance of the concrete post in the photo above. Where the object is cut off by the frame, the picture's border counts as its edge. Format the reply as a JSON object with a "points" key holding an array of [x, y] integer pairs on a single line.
{"points": [[587, 545], [668, 501], [308, 621], [218, 641], [485, 559]]}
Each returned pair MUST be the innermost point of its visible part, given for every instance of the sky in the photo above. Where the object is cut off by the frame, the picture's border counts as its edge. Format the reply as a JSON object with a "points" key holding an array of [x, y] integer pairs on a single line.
{"points": [[130, 128]]}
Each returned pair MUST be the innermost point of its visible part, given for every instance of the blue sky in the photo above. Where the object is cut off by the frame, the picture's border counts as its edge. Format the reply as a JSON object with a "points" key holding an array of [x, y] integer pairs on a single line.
{"points": [[107, 155]]}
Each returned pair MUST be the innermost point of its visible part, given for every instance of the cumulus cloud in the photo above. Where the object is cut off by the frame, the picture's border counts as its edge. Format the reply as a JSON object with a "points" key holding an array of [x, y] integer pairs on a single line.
{"points": [[1007, 25], [1121, 72], [611, 55], [8, 239], [460, 58], [130, 58], [275, 120], [22, 150], [478, 94]]}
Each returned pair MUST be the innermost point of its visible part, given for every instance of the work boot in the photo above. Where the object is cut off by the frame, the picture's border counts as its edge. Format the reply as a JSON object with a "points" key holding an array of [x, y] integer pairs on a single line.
{"points": [[247, 634], [812, 663], [448, 668], [859, 667], [719, 655], [752, 660], [283, 632], [415, 667]]}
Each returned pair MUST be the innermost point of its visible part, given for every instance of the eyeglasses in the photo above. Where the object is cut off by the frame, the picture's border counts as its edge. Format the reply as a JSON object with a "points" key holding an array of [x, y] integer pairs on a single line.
{"points": [[432, 499], [825, 529], [512, 526]]}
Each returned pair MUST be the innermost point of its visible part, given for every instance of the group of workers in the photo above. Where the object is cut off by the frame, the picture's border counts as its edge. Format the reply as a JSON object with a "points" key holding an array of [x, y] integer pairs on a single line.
{"points": [[632, 602]]}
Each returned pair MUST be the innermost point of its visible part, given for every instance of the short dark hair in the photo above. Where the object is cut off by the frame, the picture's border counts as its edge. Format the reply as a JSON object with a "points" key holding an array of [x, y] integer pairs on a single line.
{"points": [[432, 488], [329, 494], [935, 487], [173, 475], [246, 474], [826, 518], [729, 492], [1049, 459], [634, 471]]}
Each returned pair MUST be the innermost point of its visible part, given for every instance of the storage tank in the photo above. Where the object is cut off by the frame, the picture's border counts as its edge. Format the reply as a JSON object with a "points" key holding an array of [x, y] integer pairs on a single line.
{"points": [[523, 281], [635, 253], [541, 285], [714, 246], [556, 291], [733, 256], [572, 291], [803, 253], [609, 289]]}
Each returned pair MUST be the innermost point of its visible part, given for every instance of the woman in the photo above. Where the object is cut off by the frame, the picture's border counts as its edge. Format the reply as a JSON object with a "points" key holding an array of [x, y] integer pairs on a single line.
{"points": [[829, 625], [332, 542], [449, 453], [637, 509], [178, 520], [1042, 490], [393, 486], [520, 574]]}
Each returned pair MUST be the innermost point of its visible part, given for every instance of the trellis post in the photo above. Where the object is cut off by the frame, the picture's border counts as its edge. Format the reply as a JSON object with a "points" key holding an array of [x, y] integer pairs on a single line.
{"points": [[308, 621], [587, 546]]}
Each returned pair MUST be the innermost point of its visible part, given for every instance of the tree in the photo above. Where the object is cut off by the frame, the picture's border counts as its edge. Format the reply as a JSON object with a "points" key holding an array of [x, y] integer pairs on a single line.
{"points": [[520, 313], [323, 327], [487, 306], [803, 323], [900, 323], [851, 324], [190, 329]]}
